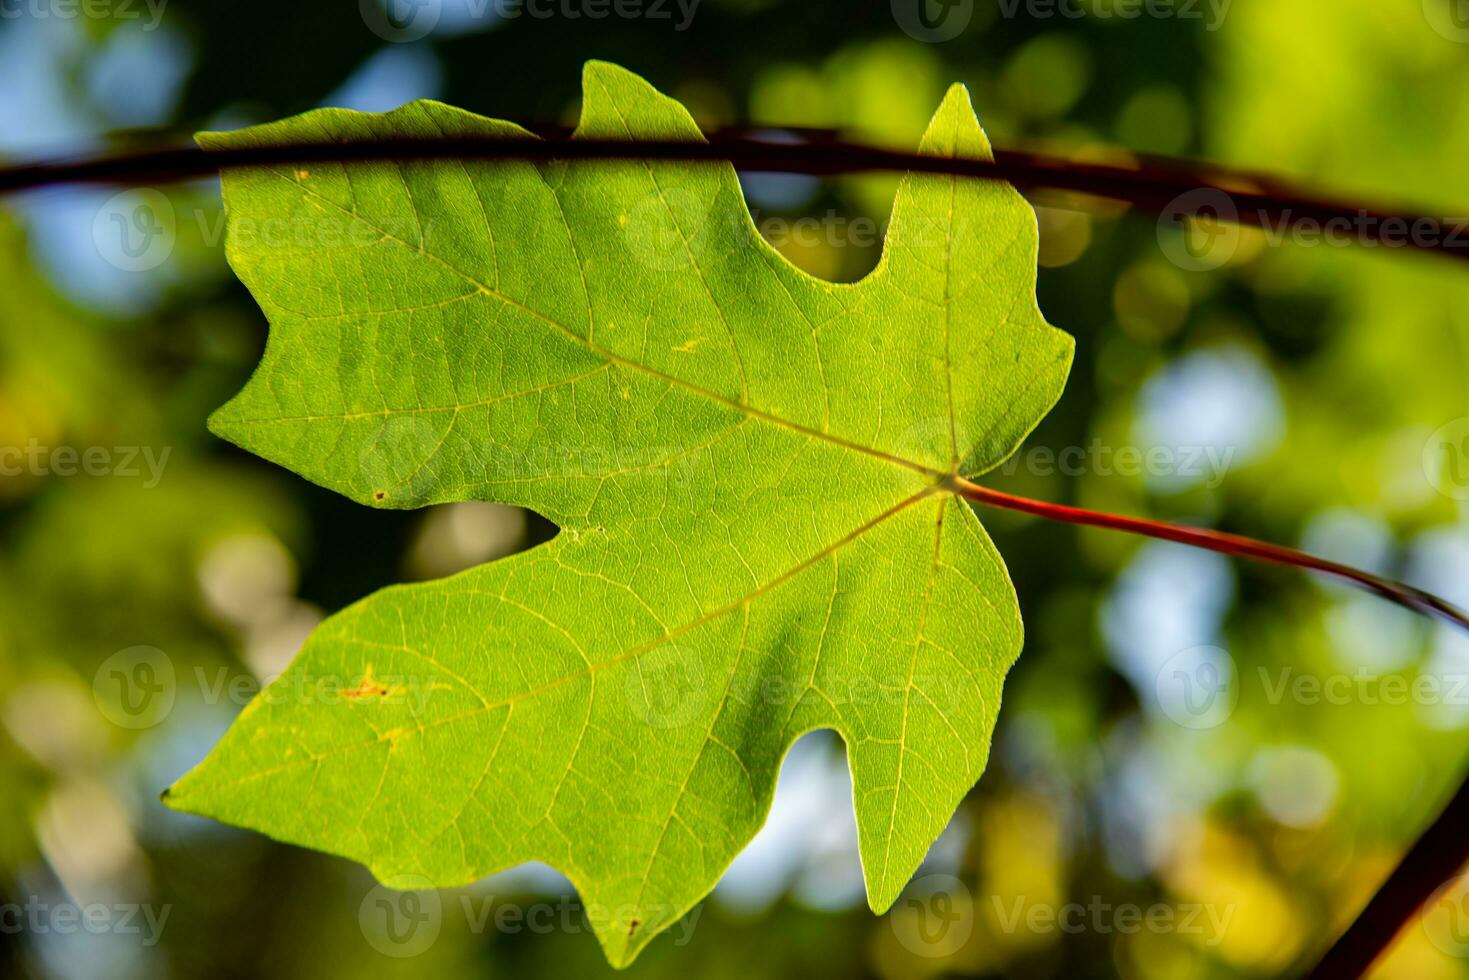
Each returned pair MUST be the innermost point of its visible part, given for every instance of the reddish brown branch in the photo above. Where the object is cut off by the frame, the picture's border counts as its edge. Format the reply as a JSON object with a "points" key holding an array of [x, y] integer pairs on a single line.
{"points": [[1153, 184], [1222, 541]]}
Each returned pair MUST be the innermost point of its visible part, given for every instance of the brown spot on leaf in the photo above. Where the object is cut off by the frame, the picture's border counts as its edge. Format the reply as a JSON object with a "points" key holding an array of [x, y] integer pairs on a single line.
{"points": [[369, 688]]}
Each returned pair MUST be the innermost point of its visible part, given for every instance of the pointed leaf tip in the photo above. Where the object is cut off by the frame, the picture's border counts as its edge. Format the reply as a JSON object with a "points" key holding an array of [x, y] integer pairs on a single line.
{"points": [[954, 129], [620, 104]]}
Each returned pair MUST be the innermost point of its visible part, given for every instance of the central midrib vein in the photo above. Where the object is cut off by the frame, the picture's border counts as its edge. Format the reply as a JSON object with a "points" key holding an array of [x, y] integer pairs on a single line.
{"points": [[614, 358]]}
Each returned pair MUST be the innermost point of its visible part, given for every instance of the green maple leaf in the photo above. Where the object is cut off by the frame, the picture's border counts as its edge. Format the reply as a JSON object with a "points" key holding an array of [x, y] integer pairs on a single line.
{"points": [[751, 469]]}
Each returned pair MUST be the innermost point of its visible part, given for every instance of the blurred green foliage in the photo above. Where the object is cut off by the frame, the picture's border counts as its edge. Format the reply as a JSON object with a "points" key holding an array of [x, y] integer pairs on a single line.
{"points": [[1321, 373]]}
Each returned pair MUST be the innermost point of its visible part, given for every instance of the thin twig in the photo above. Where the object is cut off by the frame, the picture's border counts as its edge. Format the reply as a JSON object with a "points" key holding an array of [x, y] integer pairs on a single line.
{"points": [[1154, 184], [1222, 541]]}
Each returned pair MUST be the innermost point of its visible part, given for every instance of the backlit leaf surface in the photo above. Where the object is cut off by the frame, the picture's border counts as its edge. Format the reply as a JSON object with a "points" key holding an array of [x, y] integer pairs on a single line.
{"points": [[747, 465]]}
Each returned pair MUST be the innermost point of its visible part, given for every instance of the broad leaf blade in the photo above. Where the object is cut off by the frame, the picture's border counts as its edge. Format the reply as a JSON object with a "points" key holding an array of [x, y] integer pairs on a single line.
{"points": [[747, 465]]}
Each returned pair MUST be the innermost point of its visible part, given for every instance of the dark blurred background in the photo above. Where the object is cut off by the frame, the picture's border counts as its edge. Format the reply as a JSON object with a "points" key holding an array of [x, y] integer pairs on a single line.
{"points": [[1202, 768]]}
